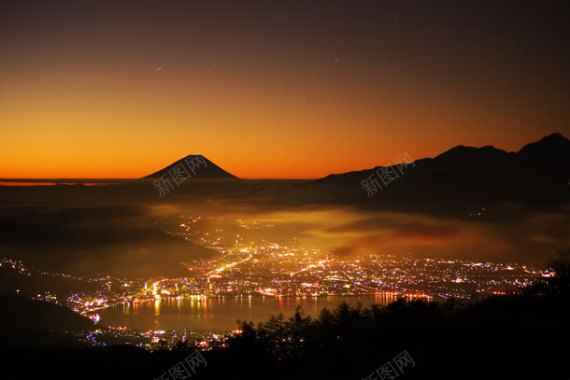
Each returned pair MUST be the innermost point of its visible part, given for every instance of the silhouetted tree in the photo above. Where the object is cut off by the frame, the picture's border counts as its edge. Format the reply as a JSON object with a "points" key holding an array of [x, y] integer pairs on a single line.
{"points": [[559, 283]]}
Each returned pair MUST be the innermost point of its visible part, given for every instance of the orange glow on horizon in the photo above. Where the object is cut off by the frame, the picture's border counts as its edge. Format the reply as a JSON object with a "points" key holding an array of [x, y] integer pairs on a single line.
{"points": [[96, 90], [124, 122], [96, 129]]}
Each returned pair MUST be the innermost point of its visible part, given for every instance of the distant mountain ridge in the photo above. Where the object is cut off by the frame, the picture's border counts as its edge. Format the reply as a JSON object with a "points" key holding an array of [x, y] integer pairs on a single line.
{"points": [[196, 166], [554, 147], [539, 173]]}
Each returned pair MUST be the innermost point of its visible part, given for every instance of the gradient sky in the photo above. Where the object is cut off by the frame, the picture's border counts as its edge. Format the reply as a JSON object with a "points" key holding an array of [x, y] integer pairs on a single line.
{"points": [[273, 89]]}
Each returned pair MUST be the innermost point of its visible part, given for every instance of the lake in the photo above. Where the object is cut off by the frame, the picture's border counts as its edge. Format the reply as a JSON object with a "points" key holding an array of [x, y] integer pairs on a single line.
{"points": [[218, 314]]}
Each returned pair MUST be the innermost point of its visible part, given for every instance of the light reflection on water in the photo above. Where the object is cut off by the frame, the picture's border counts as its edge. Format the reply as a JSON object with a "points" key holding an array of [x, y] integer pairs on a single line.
{"points": [[221, 313]]}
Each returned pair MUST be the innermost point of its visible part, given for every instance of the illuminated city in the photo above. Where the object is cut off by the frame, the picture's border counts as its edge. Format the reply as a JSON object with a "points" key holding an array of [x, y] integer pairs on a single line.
{"points": [[268, 269]]}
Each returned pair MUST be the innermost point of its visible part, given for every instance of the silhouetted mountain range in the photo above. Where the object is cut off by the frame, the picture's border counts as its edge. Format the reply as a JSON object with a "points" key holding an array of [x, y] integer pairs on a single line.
{"points": [[539, 172], [553, 149]]}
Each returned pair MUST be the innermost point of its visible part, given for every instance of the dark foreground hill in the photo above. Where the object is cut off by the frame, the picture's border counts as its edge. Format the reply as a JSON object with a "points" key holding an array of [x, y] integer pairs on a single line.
{"points": [[29, 324]]}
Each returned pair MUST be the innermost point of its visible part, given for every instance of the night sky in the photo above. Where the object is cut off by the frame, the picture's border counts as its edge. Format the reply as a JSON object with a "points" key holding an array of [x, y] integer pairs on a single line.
{"points": [[273, 89]]}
